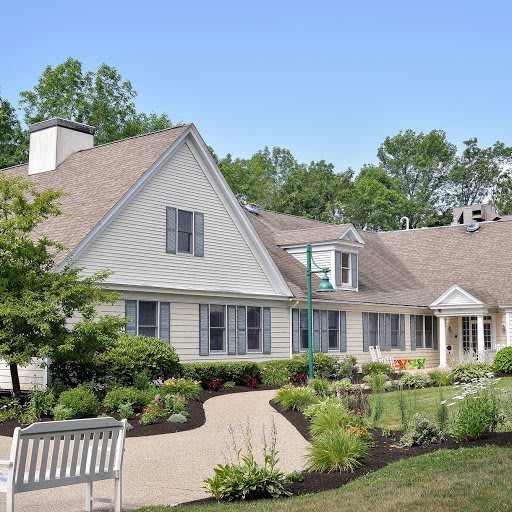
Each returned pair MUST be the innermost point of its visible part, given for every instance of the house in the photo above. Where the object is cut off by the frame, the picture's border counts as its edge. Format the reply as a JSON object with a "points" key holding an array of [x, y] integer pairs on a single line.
{"points": [[222, 282]]}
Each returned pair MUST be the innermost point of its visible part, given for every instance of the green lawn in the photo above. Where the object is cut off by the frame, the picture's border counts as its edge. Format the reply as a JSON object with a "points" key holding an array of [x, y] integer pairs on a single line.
{"points": [[464, 480], [424, 401]]}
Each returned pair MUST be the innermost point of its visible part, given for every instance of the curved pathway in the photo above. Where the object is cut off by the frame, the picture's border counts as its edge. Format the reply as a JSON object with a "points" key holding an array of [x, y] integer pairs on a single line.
{"points": [[170, 468]]}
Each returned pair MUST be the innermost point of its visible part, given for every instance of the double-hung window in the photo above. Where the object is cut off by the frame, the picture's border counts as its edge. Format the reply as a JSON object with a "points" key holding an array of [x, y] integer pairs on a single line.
{"points": [[373, 329], [345, 268], [217, 328], [419, 327], [395, 331], [429, 332], [185, 231], [148, 318], [303, 329], [333, 321], [254, 332]]}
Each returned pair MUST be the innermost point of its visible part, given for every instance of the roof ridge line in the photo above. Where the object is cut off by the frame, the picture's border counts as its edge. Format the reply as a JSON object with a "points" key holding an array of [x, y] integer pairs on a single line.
{"points": [[303, 218]]}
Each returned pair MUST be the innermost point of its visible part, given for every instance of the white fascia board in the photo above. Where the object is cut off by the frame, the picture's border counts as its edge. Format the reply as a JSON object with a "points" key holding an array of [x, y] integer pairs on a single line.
{"points": [[353, 235], [439, 302], [328, 245]]}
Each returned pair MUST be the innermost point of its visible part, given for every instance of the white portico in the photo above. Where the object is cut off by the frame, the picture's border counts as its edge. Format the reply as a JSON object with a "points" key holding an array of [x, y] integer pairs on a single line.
{"points": [[469, 328]]}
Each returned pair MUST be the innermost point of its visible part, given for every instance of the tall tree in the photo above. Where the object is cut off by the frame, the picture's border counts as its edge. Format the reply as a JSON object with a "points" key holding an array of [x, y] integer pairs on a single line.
{"points": [[476, 173], [421, 163], [13, 140], [100, 98], [36, 303]]}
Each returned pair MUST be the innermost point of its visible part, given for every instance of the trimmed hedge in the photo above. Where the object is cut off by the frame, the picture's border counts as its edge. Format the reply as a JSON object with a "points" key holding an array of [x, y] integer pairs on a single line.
{"points": [[80, 402], [237, 372], [503, 361]]}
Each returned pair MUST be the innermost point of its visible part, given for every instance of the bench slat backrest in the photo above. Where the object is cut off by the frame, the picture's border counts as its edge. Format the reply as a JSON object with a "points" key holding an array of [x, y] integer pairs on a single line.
{"points": [[57, 453]]}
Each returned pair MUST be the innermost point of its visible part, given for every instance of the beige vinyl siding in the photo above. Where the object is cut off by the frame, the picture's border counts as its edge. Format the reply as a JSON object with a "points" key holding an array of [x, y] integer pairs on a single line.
{"points": [[30, 376], [501, 334], [323, 258], [133, 245]]}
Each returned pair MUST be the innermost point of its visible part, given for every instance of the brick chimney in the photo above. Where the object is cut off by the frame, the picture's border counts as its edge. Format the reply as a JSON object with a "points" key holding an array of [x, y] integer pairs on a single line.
{"points": [[52, 141]]}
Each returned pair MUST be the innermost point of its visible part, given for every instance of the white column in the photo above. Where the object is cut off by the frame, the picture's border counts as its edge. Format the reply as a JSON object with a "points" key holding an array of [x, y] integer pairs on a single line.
{"points": [[442, 341], [480, 335], [508, 341]]}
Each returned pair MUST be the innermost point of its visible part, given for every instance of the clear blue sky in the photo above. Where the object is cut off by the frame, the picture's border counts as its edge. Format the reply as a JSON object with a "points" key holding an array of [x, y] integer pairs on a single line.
{"points": [[328, 80]]}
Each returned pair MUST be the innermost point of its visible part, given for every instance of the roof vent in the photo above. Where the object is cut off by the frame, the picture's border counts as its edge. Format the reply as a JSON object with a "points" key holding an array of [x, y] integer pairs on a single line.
{"points": [[474, 226], [251, 208]]}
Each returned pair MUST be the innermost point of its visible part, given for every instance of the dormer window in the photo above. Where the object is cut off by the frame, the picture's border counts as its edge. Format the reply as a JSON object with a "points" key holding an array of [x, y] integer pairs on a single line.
{"points": [[346, 269]]}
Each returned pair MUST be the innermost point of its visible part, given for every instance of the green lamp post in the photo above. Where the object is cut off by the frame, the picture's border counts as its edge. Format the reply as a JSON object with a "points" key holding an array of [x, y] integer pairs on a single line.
{"points": [[325, 286]]}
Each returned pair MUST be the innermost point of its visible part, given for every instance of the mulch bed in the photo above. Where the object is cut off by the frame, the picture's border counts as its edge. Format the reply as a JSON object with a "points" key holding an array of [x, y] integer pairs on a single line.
{"points": [[196, 417], [381, 455]]}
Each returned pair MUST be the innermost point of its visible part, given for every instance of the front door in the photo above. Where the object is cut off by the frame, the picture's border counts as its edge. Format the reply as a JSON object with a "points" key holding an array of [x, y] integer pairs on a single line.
{"points": [[470, 334]]}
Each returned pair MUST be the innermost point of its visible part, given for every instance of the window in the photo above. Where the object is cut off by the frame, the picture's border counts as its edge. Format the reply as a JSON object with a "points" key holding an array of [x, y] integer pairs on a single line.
{"points": [[419, 331], [429, 332], [217, 328], [373, 329], [333, 322], [185, 231], [253, 329], [303, 329], [487, 333], [345, 268], [148, 319], [395, 331]]}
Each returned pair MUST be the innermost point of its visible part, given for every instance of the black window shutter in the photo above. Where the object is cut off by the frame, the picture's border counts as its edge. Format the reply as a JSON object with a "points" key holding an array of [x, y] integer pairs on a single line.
{"points": [[366, 332], [170, 246], [241, 330], [343, 331], [295, 331], [204, 329], [198, 234], [337, 267], [316, 330], [130, 313], [402, 332], [413, 332], [267, 331], [353, 267], [165, 321], [324, 334], [231, 330]]}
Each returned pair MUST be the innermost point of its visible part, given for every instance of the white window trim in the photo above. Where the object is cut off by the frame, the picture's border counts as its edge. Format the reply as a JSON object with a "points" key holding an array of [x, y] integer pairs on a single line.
{"points": [[225, 351], [252, 351], [181, 253], [348, 284], [157, 316]]}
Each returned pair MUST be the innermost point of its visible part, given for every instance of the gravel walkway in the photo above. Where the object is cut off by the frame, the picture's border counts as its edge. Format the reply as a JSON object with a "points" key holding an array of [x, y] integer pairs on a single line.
{"points": [[168, 469]]}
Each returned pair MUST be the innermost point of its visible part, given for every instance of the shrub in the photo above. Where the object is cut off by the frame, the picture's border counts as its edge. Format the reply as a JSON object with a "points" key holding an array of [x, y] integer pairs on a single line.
{"points": [[177, 418], [141, 381], [251, 382], [247, 479], [341, 387], [345, 366], [175, 405], [441, 377], [292, 397], [62, 413], [237, 372], [214, 384], [230, 384], [503, 361], [323, 365], [81, 401], [373, 368], [135, 397], [315, 409], [125, 411], [153, 412], [41, 403], [132, 355], [275, 373], [413, 380], [421, 431], [377, 381], [357, 402], [333, 419], [336, 450], [187, 388], [319, 386], [466, 372], [479, 412]]}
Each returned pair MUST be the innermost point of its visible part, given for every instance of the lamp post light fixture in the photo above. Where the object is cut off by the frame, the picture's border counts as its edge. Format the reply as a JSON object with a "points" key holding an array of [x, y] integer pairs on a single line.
{"points": [[325, 286]]}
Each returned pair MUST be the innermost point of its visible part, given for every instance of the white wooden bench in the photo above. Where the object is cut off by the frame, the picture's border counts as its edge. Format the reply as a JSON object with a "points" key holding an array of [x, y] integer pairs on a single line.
{"points": [[57, 453], [377, 357]]}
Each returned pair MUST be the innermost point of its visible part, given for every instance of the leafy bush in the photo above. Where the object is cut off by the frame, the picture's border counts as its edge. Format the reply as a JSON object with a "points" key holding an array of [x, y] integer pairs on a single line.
{"points": [[373, 368], [125, 411], [345, 366], [441, 377], [333, 419], [132, 355], [230, 384], [175, 405], [341, 387], [62, 413], [377, 381], [336, 450], [177, 418], [319, 386], [81, 401], [421, 431], [141, 381], [320, 407], [479, 411], [153, 412], [247, 479], [233, 371], [292, 397], [414, 380], [323, 365], [214, 385], [251, 382], [357, 402], [503, 361], [466, 372], [275, 373], [135, 397], [41, 403], [187, 388]]}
